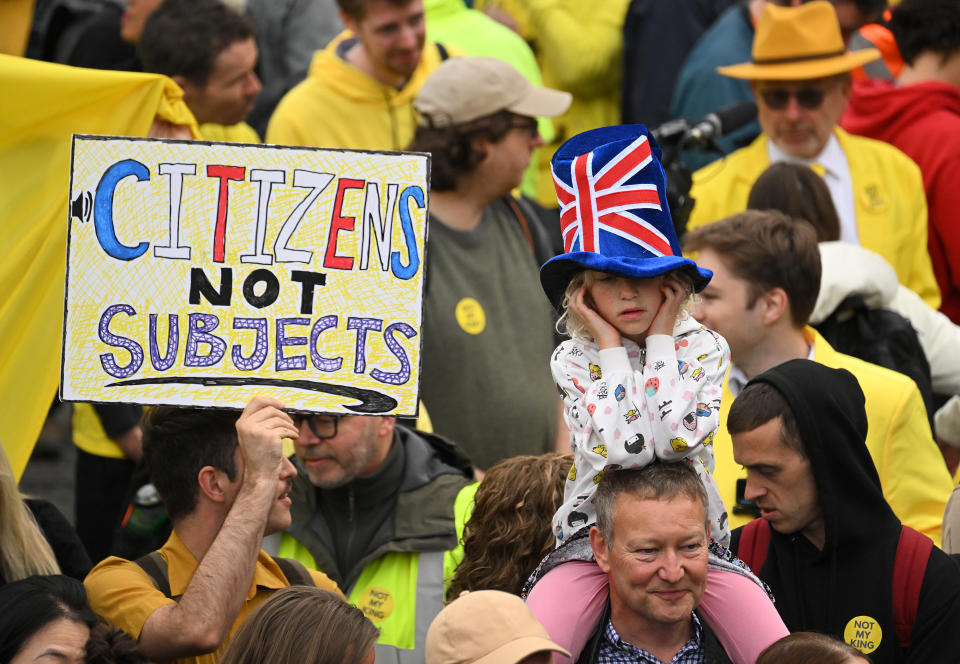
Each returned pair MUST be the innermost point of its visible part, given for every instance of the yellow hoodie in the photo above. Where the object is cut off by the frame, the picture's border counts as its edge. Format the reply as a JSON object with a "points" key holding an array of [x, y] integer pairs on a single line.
{"points": [[339, 106], [579, 46]]}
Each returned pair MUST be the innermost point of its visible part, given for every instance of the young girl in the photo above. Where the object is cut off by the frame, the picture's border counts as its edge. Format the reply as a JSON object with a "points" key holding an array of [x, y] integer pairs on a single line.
{"points": [[640, 380]]}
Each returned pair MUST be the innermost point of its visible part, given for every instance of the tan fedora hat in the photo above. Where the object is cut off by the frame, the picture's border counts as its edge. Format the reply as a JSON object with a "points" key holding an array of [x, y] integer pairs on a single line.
{"points": [[798, 43]]}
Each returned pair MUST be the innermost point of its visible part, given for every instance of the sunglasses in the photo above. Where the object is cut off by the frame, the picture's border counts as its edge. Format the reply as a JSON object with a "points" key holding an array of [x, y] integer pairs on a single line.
{"points": [[322, 426], [778, 98], [525, 124]]}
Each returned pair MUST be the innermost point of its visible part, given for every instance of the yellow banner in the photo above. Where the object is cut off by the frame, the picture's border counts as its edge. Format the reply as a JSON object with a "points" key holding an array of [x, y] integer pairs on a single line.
{"points": [[43, 105], [203, 273]]}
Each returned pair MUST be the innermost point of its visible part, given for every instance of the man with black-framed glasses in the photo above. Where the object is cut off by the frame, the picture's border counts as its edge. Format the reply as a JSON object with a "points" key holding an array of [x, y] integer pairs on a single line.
{"points": [[380, 508], [800, 76]]}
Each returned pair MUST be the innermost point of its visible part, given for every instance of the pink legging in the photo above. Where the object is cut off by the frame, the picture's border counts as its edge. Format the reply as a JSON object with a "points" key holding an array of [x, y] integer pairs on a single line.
{"points": [[569, 600]]}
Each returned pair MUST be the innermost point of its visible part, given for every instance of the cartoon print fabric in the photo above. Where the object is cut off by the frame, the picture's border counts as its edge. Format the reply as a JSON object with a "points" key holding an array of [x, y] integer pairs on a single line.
{"points": [[626, 406]]}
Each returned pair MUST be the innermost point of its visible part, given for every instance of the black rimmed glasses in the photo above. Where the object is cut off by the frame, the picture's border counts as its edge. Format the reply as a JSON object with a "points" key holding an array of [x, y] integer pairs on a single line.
{"points": [[322, 426], [777, 99]]}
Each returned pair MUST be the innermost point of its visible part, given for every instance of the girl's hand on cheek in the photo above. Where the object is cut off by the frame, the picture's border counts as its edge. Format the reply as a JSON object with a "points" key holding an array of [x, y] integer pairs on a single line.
{"points": [[673, 298], [605, 334]]}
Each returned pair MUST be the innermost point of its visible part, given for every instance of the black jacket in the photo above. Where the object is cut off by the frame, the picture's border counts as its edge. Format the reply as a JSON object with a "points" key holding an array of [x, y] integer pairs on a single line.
{"points": [[67, 547], [715, 654], [826, 590]]}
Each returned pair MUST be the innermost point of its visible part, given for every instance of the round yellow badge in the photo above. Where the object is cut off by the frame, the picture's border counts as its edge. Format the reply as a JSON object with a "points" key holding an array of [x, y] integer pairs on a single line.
{"points": [[863, 633], [470, 316], [376, 604]]}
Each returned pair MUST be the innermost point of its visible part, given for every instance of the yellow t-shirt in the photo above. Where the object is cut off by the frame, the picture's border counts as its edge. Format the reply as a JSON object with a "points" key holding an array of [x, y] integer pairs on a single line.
{"points": [[120, 591], [88, 433]]}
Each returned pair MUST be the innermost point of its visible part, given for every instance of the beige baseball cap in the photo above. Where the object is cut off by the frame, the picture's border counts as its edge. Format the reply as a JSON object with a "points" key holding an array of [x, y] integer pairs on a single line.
{"points": [[486, 627], [464, 89]]}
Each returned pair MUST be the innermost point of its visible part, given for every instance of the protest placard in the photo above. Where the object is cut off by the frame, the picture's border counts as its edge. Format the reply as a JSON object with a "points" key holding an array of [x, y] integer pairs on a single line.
{"points": [[203, 273]]}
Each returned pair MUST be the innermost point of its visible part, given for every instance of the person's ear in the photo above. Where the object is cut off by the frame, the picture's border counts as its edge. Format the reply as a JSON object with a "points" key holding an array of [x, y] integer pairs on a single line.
{"points": [[213, 483], [189, 89], [600, 550], [480, 145], [386, 426], [775, 303], [349, 22], [846, 85]]}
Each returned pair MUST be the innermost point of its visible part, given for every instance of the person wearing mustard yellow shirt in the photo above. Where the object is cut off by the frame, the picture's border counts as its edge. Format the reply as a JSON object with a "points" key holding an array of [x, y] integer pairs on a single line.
{"points": [[766, 275], [225, 484]]}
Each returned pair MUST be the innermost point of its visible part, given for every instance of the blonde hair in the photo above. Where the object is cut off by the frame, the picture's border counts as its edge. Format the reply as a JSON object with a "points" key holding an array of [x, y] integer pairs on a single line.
{"points": [[24, 551], [572, 325]]}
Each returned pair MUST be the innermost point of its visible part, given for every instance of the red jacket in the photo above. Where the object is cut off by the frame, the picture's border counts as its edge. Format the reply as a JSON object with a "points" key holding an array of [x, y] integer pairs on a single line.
{"points": [[923, 121]]}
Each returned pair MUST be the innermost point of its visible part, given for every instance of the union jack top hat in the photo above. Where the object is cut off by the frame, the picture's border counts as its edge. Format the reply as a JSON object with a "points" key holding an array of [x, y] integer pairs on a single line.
{"points": [[614, 215]]}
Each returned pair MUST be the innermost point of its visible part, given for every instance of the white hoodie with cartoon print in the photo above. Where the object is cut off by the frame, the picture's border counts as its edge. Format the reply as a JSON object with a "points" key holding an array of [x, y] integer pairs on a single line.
{"points": [[626, 406]]}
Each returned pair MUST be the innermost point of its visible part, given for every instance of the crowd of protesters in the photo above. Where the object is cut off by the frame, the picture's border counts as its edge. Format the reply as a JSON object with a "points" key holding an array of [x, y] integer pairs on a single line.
{"points": [[689, 359]]}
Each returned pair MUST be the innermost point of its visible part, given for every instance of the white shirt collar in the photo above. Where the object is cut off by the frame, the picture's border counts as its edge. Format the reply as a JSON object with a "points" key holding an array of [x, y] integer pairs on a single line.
{"points": [[737, 379], [836, 176], [831, 157]]}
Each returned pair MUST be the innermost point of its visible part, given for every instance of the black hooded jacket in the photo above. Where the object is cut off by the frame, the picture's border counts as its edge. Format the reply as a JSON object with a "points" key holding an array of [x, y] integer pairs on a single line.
{"points": [[847, 585]]}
